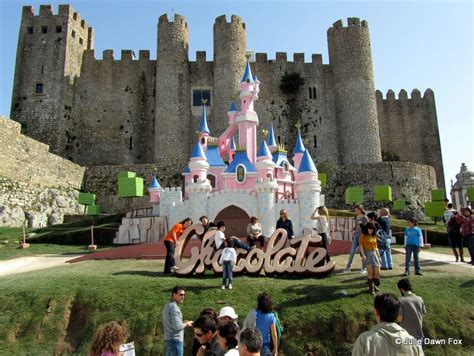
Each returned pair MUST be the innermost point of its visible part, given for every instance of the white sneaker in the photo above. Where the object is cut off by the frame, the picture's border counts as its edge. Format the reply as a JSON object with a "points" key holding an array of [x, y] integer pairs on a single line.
{"points": [[223, 287], [230, 285], [363, 270], [176, 267], [346, 270]]}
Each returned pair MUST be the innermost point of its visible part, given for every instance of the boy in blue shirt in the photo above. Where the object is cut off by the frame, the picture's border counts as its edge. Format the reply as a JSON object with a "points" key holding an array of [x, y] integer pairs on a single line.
{"points": [[413, 244]]}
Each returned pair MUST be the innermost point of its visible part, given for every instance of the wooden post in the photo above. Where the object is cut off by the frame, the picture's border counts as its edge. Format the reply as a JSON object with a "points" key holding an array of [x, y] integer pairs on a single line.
{"points": [[24, 244], [425, 242], [92, 247]]}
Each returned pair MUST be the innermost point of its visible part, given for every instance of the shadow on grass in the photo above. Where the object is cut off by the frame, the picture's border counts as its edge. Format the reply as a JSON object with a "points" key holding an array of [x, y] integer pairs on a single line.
{"points": [[468, 284], [142, 273]]}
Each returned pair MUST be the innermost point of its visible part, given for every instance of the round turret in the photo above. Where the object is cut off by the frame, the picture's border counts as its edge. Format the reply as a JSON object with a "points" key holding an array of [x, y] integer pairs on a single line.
{"points": [[172, 90], [350, 58], [230, 47]]}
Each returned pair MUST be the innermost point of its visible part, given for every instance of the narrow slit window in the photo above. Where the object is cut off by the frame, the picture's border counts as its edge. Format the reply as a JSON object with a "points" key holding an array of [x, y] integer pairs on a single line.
{"points": [[73, 34], [315, 141], [314, 93], [201, 96], [44, 29], [310, 93], [131, 143]]}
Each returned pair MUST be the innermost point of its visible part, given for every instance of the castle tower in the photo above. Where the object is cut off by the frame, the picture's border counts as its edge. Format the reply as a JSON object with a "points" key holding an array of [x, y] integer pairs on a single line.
{"points": [[247, 118], [199, 187], [272, 144], [266, 188], [232, 149], [230, 47], [350, 58], [154, 189], [265, 165], [308, 188], [298, 151], [172, 103], [203, 129], [49, 57]]}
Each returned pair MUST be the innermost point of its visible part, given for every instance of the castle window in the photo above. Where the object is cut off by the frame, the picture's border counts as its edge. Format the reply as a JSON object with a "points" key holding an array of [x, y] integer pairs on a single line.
{"points": [[59, 29], [212, 180], [315, 145], [200, 95], [310, 93], [39, 88], [81, 41], [74, 16], [314, 93], [240, 174], [29, 29], [131, 143], [73, 34], [285, 167], [44, 29], [279, 139], [195, 178]]}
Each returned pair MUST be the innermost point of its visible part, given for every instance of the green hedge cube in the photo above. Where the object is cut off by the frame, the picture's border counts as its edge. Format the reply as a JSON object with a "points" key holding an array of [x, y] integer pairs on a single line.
{"points": [[383, 193], [127, 175], [354, 195], [131, 187], [437, 195], [399, 204], [93, 210], [323, 178], [434, 209], [470, 195], [86, 198]]}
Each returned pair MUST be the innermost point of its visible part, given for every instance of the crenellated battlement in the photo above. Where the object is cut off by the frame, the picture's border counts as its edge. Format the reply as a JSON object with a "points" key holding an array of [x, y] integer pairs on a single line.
{"points": [[234, 21], [200, 56], [351, 23], [415, 95], [126, 55], [282, 57], [47, 11], [177, 20]]}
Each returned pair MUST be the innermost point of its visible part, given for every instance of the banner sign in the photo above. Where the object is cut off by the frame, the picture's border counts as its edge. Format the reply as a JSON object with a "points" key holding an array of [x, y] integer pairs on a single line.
{"points": [[281, 257]]}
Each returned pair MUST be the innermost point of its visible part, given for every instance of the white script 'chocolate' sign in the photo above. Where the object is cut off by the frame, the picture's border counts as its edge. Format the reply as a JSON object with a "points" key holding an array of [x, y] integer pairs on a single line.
{"points": [[276, 259]]}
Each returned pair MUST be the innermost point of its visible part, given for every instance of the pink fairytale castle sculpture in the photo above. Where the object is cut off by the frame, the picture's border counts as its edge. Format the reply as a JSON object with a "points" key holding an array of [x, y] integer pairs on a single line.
{"points": [[260, 182]]}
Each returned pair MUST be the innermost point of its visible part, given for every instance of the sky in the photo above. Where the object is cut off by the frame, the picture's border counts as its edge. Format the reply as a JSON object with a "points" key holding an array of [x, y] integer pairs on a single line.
{"points": [[415, 45]]}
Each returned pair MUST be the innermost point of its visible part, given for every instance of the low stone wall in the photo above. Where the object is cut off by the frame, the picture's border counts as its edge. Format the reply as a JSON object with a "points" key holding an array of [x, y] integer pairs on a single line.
{"points": [[409, 181], [35, 185]]}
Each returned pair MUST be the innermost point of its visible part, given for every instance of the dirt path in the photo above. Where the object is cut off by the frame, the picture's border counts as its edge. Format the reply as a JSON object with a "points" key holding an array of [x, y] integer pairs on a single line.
{"points": [[32, 263]]}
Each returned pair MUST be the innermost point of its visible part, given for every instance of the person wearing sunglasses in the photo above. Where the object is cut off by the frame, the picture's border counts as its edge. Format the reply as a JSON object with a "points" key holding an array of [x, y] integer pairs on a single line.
{"points": [[205, 331], [173, 324]]}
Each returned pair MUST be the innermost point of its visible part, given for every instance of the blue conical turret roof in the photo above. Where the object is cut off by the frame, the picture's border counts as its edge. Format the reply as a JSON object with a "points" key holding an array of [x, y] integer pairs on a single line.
{"points": [[255, 78], [232, 107], [299, 147], [263, 150], [203, 126], [307, 164], [198, 152], [232, 144], [271, 136], [247, 74], [154, 183]]}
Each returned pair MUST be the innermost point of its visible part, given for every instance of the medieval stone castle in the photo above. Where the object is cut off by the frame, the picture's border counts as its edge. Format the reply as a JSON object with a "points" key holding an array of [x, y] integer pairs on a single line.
{"points": [[130, 110]]}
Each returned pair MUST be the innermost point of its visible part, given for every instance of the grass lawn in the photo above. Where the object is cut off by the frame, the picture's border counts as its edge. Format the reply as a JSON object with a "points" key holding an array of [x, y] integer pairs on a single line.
{"points": [[57, 310]]}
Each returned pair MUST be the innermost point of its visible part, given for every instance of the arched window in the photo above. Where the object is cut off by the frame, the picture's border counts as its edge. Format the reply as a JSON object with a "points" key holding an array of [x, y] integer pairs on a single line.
{"points": [[286, 167], [269, 175], [212, 180], [240, 173], [195, 178], [203, 140]]}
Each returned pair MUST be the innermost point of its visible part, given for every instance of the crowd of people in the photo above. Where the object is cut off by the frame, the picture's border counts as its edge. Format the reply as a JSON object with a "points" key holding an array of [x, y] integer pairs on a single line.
{"points": [[398, 330]]}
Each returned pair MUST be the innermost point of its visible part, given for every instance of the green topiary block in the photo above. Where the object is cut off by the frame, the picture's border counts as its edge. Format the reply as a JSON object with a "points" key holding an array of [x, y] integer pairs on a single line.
{"points": [[354, 195], [93, 210], [127, 175], [434, 209], [399, 204], [86, 198], [470, 195], [437, 195], [131, 187], [383, 193], [323, 178]]}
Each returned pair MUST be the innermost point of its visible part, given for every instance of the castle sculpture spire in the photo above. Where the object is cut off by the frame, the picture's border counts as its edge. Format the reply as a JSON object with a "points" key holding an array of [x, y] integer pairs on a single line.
{"points": [[272, 145], [298, 151]]}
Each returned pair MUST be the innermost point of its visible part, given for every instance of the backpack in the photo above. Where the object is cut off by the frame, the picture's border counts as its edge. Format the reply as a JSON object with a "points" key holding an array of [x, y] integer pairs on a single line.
{"points": [[279, 329], [381, 239]]}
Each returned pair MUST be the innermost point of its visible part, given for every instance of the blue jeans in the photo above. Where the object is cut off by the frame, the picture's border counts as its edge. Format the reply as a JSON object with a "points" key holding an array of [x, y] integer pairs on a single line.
{"points": [[174, 348], [169, 261], [409, 250], [240, 244], [227, 272], [355, 244], [386, 255], [267, 349]]}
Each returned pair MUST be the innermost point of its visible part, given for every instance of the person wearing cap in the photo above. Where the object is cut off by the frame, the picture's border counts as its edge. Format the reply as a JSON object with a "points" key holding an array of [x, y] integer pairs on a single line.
{"points": [[227, 315]]}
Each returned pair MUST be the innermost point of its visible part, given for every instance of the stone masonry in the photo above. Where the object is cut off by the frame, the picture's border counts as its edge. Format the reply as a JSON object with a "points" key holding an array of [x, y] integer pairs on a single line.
{"points": [[114, 111]]}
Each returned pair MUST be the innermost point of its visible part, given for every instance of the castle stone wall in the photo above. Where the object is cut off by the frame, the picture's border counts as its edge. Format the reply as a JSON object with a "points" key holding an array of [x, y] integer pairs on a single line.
{"points": [[34, 184], [409, 128], [114, 110], [409, 181]]}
